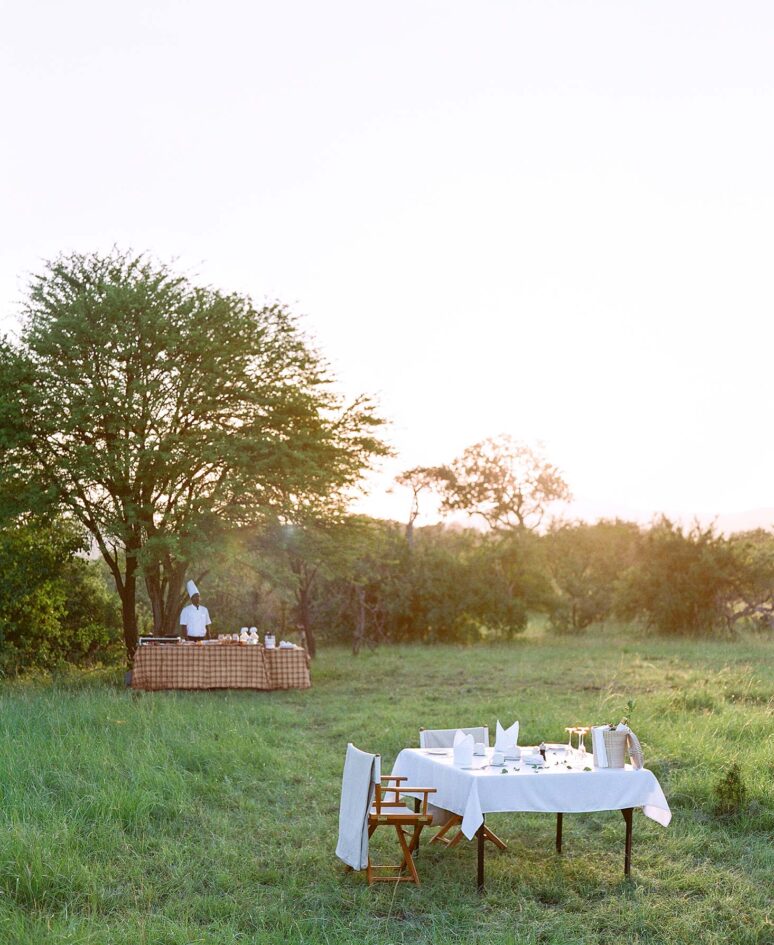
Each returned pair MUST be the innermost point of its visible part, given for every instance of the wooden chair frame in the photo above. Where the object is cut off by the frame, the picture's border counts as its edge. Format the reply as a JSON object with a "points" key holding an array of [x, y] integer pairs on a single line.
{"points": [[390, 811], [456, 821]]}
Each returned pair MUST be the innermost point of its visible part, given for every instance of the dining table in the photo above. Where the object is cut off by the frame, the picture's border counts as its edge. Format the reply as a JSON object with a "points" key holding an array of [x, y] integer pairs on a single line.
{"points": [[217, 665], [560, 782]]}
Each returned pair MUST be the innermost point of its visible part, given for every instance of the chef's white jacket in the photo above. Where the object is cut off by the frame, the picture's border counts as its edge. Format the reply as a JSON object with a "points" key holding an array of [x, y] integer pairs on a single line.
{"points": [[195, 620]]}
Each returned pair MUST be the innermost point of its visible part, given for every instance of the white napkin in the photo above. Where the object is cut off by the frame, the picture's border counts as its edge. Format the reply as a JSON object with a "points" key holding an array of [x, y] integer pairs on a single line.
{"points": [[463, 749], [506, 737], [598, 746]]}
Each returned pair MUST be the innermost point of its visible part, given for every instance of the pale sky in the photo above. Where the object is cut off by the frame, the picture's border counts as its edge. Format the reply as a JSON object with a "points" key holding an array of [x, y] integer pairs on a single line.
{"points": [[551, 218]]}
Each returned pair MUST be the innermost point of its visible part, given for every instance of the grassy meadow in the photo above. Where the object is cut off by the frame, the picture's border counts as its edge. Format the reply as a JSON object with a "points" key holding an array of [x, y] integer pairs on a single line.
{"points": [[193, 818]]}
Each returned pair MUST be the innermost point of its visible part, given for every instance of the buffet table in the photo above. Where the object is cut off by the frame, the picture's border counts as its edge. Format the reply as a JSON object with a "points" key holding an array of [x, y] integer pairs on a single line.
{"points": [[219, 666]]}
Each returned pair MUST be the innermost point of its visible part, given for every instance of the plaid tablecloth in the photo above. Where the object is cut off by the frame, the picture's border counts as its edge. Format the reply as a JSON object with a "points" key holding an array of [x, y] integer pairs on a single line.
{"points": [[187, 666], [287, 669]]}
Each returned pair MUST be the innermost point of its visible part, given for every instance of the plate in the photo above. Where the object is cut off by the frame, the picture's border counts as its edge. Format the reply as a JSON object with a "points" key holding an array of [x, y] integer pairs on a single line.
{"points": [[437, 751]]}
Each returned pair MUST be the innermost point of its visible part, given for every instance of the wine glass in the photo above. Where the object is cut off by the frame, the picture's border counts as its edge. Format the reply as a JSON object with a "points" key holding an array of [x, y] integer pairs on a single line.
{"points": [[582, 732]]}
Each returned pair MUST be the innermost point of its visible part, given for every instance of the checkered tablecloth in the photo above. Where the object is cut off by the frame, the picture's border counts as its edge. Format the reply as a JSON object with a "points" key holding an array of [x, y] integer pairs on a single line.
{"points": [[188, 666], [288, 669]]}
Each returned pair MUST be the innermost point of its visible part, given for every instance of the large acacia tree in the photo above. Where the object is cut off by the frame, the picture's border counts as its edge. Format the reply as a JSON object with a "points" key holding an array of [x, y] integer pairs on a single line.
{"points": [[159, 413], [509, 484]]}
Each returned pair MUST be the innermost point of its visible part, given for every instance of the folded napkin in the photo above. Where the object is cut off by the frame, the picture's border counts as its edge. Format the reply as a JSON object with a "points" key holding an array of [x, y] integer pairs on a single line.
{"points": [[506, 737], [598, 746], [463, 749]]}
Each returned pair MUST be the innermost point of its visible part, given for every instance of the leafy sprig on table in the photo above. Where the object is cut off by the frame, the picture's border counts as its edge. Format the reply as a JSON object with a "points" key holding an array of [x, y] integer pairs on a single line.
{"points": [[626, 717]]}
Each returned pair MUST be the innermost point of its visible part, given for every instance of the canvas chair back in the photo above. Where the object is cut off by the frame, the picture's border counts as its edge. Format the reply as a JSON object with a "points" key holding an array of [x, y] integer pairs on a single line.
{"points": [[444, 737], [362, 772]]}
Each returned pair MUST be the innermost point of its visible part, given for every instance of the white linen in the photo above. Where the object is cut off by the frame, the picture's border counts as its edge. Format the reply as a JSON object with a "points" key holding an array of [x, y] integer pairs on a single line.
{"points": [[463, 750], [195, 620], [361, 772], [506, 738], [598, 746], [485, 790]]}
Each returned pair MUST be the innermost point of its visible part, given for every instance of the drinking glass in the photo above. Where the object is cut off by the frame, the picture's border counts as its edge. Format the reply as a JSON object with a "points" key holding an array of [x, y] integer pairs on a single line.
{"points": [[582, 731]]}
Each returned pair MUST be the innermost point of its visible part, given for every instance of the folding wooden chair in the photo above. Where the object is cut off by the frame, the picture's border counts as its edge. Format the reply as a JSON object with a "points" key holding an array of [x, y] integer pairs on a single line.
{"points": [[444, 738], [390, 811]]}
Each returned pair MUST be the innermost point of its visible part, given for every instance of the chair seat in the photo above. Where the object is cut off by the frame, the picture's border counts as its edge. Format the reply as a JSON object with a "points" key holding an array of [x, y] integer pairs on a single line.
{"points": [[392, 815]]}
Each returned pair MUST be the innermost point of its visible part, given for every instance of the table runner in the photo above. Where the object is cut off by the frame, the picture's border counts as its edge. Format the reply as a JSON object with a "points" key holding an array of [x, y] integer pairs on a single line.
{"points": [[484, 790], [188, 666]]}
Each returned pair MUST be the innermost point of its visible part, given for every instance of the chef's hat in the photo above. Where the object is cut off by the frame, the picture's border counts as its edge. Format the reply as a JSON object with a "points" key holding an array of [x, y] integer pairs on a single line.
{"points": [[191, 588]]}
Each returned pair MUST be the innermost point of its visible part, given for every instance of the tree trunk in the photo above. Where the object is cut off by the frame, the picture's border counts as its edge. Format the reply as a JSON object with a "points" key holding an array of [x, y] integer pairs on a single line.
{"points": [[164, 583], [128, 593], [126, 588], [171, 605], [305, 578], [305, 617], [358, 637], [153, 587]]}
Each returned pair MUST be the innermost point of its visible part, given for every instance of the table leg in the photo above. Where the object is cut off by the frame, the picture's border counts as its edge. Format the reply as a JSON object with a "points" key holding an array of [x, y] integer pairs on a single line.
{"points": [[480, 865], [558, 833], [415, 846], [627, 816]]}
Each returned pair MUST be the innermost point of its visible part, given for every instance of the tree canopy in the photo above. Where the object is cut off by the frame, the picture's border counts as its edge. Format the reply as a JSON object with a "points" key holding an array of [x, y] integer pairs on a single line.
{"points": [[158, 413], [507, 483]]}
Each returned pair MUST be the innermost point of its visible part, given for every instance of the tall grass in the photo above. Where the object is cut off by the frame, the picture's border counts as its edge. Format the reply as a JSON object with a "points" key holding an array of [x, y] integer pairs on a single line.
{"points": [[174, 818]]}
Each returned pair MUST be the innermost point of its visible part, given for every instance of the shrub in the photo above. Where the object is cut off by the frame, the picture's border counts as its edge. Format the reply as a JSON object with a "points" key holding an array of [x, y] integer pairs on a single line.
{"points": [[730, 793], [682, 583], [53, 605], [585, 562]]}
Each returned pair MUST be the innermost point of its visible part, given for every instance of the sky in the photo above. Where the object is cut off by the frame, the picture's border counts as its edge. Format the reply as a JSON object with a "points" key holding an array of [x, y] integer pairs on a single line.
{"points": [[546, 218]]}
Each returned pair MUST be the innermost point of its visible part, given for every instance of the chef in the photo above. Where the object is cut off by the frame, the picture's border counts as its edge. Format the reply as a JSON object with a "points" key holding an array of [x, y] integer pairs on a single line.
{"points": [[194, 619]]}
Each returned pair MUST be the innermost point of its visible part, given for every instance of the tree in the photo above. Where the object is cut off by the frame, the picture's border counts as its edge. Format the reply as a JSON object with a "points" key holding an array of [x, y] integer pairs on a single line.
{"points": [[159, 414], [452, 585], [302, 555], [53, 607], [419, 479], [754, 555], [585, 563], [507, 483], [682, 582]]}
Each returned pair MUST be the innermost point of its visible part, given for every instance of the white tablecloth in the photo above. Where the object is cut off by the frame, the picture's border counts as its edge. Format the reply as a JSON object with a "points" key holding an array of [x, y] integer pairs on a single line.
{"points": [[555, 789]]}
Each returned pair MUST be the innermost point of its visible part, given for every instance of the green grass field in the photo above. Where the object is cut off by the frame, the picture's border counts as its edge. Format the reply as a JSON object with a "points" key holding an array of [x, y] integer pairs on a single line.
{"points": [[211, 818]]}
